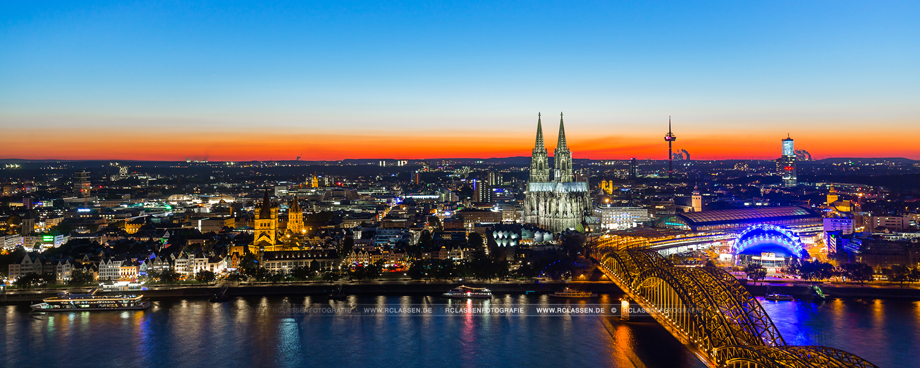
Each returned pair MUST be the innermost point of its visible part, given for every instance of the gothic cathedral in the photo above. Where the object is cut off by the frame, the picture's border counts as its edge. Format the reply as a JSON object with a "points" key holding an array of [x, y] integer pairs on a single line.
{"points": [[560, 202]]}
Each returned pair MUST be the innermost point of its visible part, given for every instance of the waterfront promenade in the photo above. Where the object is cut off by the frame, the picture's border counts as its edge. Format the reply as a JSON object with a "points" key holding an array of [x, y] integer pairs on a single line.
{"points": [[404, 287]]}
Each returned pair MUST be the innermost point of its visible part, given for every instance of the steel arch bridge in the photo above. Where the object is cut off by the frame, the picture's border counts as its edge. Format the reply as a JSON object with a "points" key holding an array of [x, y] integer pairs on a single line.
{"points": [[707, 308]]}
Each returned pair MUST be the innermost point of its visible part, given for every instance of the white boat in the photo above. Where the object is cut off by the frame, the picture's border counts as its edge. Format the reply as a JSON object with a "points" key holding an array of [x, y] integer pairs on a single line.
{"points": [[466, 292], [569, 293], [779, 297], [67, 302]]}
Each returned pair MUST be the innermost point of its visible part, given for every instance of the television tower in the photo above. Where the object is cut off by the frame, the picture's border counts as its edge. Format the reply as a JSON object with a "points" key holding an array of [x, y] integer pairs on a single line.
{"points": [[670, 138]]}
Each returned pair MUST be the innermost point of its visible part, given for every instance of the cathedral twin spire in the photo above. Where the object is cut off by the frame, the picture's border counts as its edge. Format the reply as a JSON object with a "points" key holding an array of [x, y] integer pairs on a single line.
{"points": [[539, 163]]}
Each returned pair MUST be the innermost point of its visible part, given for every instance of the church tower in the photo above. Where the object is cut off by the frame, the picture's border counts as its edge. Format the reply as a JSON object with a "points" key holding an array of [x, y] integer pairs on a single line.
{"points": [[266, 226], [539, 162], [562, 158], [295, 217]]}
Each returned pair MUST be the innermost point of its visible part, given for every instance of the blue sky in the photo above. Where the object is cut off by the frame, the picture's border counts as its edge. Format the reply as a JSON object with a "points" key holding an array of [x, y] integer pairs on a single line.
{"points": [[817, 69]]}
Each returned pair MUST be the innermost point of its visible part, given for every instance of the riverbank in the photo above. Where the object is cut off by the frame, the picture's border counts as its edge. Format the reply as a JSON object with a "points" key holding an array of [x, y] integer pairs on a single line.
{"points": [[322, 289], [837, 291], [157, 292]]}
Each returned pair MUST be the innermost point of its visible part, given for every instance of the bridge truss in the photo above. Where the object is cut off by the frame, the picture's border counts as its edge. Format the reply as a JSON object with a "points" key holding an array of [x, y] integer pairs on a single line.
{"points": [[709, 309]]}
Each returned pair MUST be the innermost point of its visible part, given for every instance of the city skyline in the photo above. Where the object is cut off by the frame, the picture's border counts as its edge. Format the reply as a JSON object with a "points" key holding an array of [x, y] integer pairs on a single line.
{"points": [[331, 82]]}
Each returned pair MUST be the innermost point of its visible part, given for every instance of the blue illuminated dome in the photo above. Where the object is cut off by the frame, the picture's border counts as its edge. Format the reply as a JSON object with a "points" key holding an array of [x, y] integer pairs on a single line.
{"points": [[768, 238]]}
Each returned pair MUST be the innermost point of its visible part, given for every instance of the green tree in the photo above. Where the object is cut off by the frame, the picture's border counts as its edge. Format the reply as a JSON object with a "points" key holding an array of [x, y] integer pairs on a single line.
{"points": [[347, 246], [755, 272], [913, 275], [301, 273], [331, 276], [165, 277], [816, 270], [897, 273], [79, 278], [205, 276], [424, 241], [475, 240], [33, 279], [859, 272], [417, 270], [526, 271]]}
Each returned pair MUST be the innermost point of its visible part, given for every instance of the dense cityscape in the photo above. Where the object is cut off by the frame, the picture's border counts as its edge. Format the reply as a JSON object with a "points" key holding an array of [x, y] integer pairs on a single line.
{"points": [[81, 223], [472, 184]]}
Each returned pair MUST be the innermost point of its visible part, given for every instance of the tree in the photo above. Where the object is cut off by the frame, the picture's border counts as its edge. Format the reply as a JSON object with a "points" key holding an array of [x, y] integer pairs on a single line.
{"points": [[416, 271], [205, 276], [475, 241], [859, 272], [897, 273], [444, 269], [301, 273], [755, 271], [347, 245], [79, 278], [33, 279], [373, 271], [816, 270], [424, 241], [165, 277], [331, 276], [526, 272], [913, 275]]}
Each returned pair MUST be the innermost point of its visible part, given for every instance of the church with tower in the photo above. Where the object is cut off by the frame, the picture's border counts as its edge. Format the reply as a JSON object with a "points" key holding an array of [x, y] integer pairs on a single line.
{"points": [[269, 232], [554, 202]]}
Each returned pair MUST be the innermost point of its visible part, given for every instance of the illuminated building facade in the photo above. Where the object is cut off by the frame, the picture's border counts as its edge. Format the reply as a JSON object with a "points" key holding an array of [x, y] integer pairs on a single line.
{"points": [[696, 200], [786, 164], [482, 191], [266, 224], [800, 219], [295, 217], [560, 203]]}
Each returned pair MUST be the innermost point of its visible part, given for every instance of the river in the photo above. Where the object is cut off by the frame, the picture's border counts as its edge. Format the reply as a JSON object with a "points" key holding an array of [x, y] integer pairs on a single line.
{"points": [[418, 331]]}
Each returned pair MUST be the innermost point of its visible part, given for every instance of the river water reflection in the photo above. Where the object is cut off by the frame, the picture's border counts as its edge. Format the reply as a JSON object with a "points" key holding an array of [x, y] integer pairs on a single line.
{"points": [[280, 332]]}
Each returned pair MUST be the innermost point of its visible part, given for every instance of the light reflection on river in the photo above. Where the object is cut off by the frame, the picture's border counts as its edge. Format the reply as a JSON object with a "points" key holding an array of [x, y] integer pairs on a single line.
{"points": [[264, 331], [884, 332]]}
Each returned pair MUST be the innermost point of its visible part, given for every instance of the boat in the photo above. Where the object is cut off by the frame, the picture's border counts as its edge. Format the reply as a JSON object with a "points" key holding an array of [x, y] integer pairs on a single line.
{"points": [[569, 293], [67, 302], [338, 294], [466, 292], [817, 293], [778, 297]]}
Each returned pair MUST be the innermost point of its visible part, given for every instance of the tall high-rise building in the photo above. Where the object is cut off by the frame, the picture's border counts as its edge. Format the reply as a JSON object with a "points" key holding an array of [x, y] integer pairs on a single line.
{"points": [[786, 164], [559, 204], [633, 168], [670, 138], [81, 186], [482, 191], [495, 179]]}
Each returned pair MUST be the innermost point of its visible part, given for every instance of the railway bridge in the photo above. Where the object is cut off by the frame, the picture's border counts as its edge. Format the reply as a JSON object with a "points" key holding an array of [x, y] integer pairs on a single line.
{"points": [[712, 313]]}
